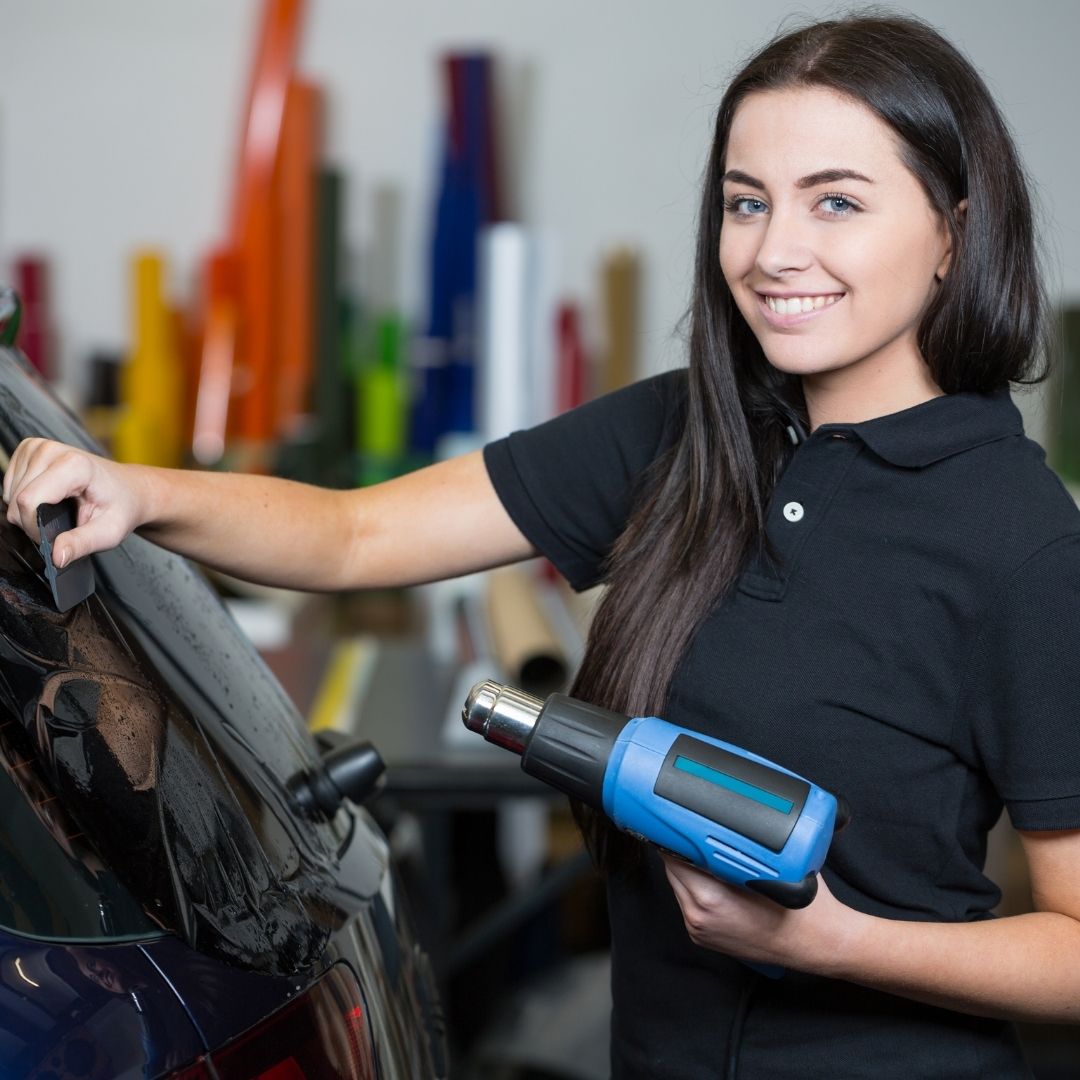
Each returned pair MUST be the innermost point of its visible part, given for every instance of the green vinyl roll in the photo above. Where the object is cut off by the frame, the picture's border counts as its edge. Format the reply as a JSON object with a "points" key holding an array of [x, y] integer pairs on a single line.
{"points": [[1065, 447], [381, 421]]}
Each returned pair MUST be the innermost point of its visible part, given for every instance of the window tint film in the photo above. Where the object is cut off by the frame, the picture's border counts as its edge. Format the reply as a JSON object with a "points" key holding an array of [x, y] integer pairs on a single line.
{"points": [[53, 882], [165, 737]]}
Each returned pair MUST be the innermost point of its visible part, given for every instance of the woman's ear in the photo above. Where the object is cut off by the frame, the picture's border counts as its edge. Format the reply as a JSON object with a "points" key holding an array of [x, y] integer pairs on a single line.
{"points": [[961, 208]]}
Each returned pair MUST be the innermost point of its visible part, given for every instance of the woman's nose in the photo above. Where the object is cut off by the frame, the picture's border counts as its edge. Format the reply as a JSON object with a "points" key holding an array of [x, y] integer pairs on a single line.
{"points": [[785, 246]]}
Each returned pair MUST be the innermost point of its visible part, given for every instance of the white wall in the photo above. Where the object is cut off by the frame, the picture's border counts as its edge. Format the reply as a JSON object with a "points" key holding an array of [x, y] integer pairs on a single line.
{"points": [[119, 119]]}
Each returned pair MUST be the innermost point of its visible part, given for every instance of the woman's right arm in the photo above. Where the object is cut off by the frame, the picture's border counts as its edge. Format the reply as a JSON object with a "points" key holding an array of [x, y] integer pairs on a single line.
{"points": [[438, 522]]}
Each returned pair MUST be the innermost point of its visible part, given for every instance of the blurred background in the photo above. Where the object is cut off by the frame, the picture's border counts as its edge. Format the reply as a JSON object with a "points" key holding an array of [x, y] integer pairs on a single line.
{"points": [[335, 240]]}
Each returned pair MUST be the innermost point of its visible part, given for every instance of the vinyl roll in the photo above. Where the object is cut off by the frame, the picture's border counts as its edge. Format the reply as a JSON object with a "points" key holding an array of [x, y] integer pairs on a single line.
{"points": [[504, 377], [150, 427], [253, 228], [32, 282], [216, 359], [622, 288], [330, 396], [526, 647], [294, 267], [543, 305]]}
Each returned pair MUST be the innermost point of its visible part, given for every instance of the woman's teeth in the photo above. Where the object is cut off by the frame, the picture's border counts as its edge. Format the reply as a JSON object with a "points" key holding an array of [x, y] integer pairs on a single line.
{"points": [[795, 304]]}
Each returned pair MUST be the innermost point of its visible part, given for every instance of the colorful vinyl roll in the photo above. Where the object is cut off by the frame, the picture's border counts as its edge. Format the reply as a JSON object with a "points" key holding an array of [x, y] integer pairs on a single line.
{"points": [[217, 349], [331, 396], [294, 197], [621, 281], [572, 371], [35, 330], [382, 403], [253, 224], [151, 423]]}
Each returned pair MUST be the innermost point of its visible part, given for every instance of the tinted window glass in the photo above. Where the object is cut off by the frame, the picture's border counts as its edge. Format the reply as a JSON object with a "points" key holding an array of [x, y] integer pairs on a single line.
{"points": [[170, 743], [53, 883]]}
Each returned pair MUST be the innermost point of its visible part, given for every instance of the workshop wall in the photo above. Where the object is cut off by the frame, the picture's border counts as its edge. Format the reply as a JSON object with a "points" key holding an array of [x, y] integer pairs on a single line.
{"points": [[119, 122]]}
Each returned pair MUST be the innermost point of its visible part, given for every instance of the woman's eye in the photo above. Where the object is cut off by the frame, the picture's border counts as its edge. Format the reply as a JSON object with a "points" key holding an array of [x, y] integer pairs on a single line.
{"points": [[838, 206], [744, 206]]}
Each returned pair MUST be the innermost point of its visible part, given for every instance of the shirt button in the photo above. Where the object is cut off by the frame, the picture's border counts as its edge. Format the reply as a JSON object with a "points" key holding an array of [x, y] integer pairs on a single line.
{"points": [[793, 511]]}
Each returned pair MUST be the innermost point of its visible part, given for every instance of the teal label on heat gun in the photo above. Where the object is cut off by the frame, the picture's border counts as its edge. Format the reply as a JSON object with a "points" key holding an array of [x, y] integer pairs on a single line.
{"points": [[747, 797], [740, 787]]}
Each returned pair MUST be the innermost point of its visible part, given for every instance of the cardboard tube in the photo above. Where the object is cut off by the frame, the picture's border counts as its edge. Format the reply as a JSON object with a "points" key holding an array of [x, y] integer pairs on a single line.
{"points": [[526, 648], [621, 280]]}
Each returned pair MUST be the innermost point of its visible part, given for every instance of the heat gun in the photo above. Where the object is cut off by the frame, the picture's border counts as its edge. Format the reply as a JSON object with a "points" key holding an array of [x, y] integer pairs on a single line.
{"points": [[741, 818]]}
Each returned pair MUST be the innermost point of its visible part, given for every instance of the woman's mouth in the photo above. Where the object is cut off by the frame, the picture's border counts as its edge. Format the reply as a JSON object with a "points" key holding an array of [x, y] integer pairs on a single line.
{"points": [[787, 311]]}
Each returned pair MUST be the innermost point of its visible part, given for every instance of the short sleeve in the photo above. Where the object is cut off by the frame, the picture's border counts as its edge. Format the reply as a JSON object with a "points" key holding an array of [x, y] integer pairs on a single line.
{"points": [[1023, 690], [569, 484]]}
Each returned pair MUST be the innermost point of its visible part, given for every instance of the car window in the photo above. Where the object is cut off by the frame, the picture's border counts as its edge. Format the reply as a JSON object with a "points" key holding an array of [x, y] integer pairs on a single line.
{"points": [[165, 736], [53, 881]]}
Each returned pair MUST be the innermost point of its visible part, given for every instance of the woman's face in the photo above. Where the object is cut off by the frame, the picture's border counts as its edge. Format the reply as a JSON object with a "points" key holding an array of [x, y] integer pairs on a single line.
{"points": [[829, 245]]}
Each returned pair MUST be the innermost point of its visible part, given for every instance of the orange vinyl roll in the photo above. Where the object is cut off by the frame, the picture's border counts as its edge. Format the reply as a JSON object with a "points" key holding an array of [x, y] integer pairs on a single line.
{"points": [[253, 218], [294, 192], [186, 333], [278, 43], [254, 372], [216, 359]]}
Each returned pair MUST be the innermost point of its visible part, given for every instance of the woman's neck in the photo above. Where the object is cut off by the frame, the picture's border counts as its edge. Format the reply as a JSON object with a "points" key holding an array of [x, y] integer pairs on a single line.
{"points": [[851, 395]]}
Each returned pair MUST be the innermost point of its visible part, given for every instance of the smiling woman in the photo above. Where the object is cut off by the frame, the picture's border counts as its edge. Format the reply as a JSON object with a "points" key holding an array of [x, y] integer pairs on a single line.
{"points": [[832, 283]]}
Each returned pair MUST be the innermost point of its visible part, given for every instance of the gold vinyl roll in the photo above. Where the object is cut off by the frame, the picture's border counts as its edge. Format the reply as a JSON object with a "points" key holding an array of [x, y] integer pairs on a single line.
{"points": [[622, 287], [150, 427], [526, 647]]}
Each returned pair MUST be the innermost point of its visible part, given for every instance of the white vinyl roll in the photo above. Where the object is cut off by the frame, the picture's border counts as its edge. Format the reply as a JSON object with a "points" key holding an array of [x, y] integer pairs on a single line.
{"points": [[543, 295], [502, 372]]}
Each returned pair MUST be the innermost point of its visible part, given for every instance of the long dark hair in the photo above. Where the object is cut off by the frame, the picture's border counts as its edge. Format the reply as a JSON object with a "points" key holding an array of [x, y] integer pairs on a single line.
{"points": [[704, 501]]}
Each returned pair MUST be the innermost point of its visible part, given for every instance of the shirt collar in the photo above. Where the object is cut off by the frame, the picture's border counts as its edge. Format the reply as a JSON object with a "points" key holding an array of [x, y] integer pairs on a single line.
{"points": [[937, 429]]}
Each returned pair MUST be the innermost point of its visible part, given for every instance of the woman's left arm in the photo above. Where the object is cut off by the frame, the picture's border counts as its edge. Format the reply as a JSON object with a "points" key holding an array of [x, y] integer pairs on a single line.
{"points": [[1024, 967]]}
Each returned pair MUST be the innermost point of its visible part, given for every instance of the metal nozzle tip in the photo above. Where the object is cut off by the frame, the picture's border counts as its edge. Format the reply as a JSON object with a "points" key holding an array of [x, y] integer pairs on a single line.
{"points": [[478, 705]]}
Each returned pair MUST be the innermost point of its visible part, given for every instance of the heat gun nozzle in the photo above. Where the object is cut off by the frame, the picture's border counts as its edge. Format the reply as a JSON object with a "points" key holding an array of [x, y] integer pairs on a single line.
{"points": [[501, 714], [478, 705]]}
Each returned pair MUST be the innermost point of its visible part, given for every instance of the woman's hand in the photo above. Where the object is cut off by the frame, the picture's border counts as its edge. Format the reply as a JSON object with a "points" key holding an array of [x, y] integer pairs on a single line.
{"points": [[741, 924], [109, 507]]}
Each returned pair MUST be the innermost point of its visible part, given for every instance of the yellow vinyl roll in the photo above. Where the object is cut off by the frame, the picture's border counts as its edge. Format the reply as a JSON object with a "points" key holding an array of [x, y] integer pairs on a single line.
{"points": [[150, 427]]}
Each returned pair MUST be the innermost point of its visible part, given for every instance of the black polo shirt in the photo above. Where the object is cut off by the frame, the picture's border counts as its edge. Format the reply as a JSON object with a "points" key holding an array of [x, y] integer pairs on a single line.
{"points": [[914, 647]]}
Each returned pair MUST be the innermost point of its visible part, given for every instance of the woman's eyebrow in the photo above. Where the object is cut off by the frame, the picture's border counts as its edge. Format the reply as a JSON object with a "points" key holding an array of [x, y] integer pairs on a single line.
{"points": [[822, 176], [829, 176], [739, 177]]}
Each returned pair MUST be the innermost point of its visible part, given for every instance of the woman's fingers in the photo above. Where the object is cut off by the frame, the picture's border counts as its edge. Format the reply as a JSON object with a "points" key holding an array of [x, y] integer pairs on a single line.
{"points": [[50, 473], [16, 470], [98, 534], [42, 472]]}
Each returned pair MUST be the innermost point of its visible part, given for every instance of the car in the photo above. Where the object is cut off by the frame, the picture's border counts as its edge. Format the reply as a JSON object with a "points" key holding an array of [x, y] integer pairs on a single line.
{"points": [[185, 889]]}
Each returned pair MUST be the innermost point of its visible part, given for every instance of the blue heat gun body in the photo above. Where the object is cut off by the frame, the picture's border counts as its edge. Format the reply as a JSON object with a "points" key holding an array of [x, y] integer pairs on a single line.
{"points": [[741, 818]]}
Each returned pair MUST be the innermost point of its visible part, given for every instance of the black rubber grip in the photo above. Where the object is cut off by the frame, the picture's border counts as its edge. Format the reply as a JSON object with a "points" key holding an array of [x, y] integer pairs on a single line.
{"points": [[790, 894], [570, 746]]}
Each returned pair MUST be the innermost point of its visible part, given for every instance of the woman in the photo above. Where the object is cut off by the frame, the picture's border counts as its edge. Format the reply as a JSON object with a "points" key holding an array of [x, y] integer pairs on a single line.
{"points": [[884, 605]]}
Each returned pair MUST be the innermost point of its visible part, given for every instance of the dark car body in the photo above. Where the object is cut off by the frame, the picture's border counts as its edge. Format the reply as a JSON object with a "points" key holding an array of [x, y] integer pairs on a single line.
{"points": [[165, 905]]}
